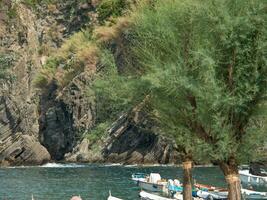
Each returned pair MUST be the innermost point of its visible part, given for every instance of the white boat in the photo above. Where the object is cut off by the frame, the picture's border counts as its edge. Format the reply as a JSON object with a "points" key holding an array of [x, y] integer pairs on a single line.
{"points": [[247, 194], [112, 198], [153, 183], [136, 177], [250, 194], [248, 178], [212, 195], [148, 196], [152, 187]]}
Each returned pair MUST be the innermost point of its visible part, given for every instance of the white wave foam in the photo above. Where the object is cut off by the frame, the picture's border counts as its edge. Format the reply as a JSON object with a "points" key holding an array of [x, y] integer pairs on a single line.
{"points": [[62, 165], [114, 164], [51, 165], [14, 167], [134, 165]]}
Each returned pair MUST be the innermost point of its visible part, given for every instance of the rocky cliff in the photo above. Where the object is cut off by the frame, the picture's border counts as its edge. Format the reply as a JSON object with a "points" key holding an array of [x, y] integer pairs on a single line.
{"points": [[19, 102], [40, 125]]}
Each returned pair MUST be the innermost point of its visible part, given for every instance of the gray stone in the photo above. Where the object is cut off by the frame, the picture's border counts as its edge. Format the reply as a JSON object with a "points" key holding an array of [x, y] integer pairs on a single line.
{"points": [[24, 149]]}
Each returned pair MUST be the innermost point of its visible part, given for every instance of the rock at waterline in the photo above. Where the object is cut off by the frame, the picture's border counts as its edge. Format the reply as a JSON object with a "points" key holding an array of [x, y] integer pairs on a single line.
{"points": [[23, 149]]}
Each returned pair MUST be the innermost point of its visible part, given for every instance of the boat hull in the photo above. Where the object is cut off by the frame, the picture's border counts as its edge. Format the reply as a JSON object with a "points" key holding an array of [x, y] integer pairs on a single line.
{"points": [[152, 187], [139, 177], [250, 194], [148, 196], [248, 178], [137, 180], [212, 195], [113, 198]]}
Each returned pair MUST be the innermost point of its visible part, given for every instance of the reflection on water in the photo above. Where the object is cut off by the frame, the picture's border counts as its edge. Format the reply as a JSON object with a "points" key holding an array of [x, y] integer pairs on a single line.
{"points": [[92, 182]]}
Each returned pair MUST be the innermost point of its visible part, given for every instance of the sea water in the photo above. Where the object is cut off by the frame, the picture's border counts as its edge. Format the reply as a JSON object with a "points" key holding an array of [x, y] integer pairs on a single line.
{"points": [[92, 182]]}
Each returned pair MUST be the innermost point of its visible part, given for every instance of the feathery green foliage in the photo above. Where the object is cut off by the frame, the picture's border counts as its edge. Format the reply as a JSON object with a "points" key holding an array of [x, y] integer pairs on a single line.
{"points": [[205, 71], [116, 93], [111, 8], [209, 59]]}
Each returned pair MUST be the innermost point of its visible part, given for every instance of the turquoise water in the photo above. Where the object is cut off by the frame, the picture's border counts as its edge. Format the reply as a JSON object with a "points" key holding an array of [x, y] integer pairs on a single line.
{"points": [[92, 182]]}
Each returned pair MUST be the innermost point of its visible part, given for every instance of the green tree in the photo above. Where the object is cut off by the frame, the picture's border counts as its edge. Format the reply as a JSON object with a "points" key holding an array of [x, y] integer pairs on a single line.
{"points": [[119, 93], [209, 59], [204, 72]]}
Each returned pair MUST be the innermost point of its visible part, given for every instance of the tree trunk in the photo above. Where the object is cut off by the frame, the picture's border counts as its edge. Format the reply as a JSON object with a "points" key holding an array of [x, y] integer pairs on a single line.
{"points": [[187, 180], [230, 170]]}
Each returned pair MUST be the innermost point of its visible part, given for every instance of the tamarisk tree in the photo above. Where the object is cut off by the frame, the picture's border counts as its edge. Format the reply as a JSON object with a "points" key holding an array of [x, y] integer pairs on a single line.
{"points": [[204, 74], [207, 60]]}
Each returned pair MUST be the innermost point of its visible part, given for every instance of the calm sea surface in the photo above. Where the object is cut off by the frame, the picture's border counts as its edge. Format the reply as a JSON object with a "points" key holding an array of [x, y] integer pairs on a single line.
{"points": [[92, 182]]}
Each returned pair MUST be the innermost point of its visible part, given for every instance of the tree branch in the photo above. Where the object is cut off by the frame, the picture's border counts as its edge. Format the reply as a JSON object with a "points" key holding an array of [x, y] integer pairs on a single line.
{"points": [[196, 126]]}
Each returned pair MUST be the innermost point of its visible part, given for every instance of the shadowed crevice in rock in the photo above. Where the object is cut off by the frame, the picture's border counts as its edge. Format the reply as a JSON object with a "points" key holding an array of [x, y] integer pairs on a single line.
{"points": [[65, 115], [128, 143], [56, 130]]}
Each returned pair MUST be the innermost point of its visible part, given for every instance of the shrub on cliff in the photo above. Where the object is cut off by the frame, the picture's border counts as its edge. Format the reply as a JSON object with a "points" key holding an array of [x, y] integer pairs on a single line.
{"points": [[97, 132], [6, 62], [77, 54], [111, 8], [34, 3]]}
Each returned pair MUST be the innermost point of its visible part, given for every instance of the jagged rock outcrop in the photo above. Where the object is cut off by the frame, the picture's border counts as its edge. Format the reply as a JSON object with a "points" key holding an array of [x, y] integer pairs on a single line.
{"points": [[64, 116], [86, 151], [18, 104], [131, 141], [128, 141], [23, 149], [39, 125], [26, 34]]}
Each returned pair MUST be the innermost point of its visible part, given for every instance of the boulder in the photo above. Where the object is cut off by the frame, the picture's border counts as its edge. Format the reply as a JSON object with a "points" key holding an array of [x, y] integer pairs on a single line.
{"points": [[23, 149], [86, 151]]}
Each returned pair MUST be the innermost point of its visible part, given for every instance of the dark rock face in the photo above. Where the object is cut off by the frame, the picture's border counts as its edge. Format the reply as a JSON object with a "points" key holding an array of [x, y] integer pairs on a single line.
{"points": [[57, 133], [63, 117], [128, 143], [55, 124]]}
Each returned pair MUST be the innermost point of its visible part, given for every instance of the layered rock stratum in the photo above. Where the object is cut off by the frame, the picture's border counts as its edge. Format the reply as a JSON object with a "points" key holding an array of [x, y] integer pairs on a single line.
{"points": [[42, 126]]}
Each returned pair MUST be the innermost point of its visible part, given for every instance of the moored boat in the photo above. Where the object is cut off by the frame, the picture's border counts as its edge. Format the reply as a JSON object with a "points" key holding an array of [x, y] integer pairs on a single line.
{"points": [[211, 192], [205, 187], [112, 198], [153, 183], [152, 187], [136, 177], [250, 194], [210, 195], [148, 196], [251, 179]]}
